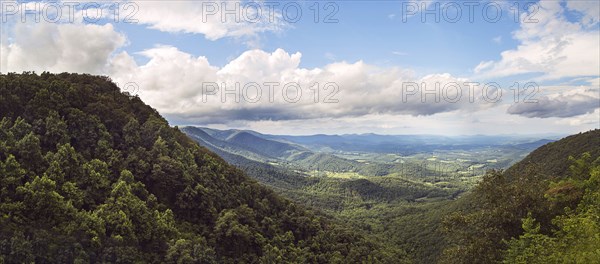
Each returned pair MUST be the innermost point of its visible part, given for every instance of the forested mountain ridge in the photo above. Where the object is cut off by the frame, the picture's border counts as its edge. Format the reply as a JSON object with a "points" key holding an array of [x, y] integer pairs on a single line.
{"points": [[544, 209], [88, 174], [272, 176], [258, 147], [550, 158], [270, 148]]}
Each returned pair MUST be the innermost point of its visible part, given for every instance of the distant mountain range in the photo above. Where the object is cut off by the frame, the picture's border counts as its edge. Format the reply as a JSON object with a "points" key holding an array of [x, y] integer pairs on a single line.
{"points": [[278, 146], [406, 144], [325, 152]]}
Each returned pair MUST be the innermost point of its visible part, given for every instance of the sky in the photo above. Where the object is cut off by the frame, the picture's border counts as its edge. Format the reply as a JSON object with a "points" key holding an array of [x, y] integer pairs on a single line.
{"points": [[329, 67]]}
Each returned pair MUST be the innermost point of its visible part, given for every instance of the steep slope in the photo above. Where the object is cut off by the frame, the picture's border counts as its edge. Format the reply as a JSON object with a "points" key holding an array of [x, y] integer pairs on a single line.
{"points": [[275, 177], [214, 142], [88, 174], [539, 187], [551, 158]]}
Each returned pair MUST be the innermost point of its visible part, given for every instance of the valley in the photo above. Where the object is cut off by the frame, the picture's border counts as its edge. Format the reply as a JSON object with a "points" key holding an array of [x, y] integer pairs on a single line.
{"points": [[449, 163], [396, 189]]}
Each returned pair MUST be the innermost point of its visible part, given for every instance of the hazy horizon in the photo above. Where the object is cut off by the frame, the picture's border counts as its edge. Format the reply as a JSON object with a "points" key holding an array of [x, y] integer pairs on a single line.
{"points": [[536, 135]]}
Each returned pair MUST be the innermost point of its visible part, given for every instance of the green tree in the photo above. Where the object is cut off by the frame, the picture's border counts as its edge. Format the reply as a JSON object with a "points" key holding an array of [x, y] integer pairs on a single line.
{"points": [[11, 176], [236, 234], [55, 131], [184, 251], [577, 239]]}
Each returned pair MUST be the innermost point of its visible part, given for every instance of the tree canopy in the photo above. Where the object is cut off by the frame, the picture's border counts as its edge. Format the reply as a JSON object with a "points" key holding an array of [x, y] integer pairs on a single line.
{"points": [[90, 174]]}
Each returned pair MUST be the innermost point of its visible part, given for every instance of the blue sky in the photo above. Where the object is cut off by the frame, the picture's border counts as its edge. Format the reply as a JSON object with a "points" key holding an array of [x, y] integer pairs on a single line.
{"points": [[370, 50], [376, 32], [372, 31]]}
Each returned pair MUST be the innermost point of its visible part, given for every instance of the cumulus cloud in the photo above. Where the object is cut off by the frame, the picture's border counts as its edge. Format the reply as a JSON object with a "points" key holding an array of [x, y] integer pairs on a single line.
{"points": [[183, 86], [554, 46], [572, 102], [60, 47], [172, 81]]}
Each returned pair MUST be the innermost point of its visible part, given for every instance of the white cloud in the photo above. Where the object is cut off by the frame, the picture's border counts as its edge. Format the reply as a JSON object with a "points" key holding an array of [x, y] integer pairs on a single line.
{"points": [[569, 102], [213, 19], [553, 47], [60, 47], [172, 82], [589, 9], [209, 18], [491, 121]]}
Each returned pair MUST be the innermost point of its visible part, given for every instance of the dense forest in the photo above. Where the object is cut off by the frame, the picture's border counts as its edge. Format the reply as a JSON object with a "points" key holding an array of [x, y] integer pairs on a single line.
{"points": [[90, 174], [433, 219], [544, 209]]}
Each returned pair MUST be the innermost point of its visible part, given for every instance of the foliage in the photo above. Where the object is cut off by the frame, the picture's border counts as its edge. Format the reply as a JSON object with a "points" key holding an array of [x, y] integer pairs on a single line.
{"points": [[90, 174], [577, 237], [410, 205], [531, 214]]}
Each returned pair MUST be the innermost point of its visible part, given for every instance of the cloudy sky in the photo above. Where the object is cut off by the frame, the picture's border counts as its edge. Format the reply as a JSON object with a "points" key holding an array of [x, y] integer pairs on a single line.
{"points": [[307, 67]]}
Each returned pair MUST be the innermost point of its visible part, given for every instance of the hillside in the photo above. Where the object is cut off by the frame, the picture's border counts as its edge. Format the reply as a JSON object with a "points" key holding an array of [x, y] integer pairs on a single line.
{"points": [[550, 158], [221, 146], [540, 205], [274, 177], [268, 148], [254, 146], [89, 174], [245, 143]]}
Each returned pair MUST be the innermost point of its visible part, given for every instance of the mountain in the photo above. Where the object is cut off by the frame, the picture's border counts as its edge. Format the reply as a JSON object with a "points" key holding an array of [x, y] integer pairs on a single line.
{"points": [[540, 205], [220, 146], [402, 189], [551, 158], [266, 147], [402, 144], [272, 176], [246, 143], [90, 174], [368, 154]]}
